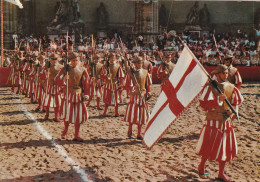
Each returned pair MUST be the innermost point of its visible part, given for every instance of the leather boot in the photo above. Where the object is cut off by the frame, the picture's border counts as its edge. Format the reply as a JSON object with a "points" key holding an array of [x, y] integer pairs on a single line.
{"points": [[88, 103], [201, 168], [105, 111], [57, 114], [47, 113], [129, 133], [19, 89], [221, 174], [116, 111], [139, 136], [65, 131], [98, 104], [76, 136]]}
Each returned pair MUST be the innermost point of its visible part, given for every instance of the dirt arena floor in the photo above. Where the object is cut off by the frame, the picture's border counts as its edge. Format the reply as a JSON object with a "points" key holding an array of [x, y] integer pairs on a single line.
{"points": [[107, 154]]}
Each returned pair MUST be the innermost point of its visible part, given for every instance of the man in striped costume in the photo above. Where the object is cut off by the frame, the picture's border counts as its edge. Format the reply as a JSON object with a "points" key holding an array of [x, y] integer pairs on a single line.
{"points": [[233, 74], [137, 107], [52, 95], [95, 81], [217, 138], [40, 78], [74, 79], [165, 69], [113, 82]]}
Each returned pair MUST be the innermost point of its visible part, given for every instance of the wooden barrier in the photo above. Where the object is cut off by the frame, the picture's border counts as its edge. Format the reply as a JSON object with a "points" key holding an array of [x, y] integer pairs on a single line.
{"points": [[247, 73]]}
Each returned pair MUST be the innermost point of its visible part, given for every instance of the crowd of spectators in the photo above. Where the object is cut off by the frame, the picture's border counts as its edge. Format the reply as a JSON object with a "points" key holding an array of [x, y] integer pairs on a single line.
{"points": [[209, 52]]}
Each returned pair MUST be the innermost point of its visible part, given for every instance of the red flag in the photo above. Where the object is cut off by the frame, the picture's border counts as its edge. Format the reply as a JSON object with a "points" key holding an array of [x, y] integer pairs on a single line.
{"points": [[184, 85]]}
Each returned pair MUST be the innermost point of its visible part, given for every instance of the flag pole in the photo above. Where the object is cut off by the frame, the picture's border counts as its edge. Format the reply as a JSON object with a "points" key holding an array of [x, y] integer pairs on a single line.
{"points": [[195, 58], [213, 82], [2, 33]]}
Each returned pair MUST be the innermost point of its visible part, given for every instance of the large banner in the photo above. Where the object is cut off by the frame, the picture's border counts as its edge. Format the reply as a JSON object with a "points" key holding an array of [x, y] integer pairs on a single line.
{"points": [[184, 85], [15, 2]]}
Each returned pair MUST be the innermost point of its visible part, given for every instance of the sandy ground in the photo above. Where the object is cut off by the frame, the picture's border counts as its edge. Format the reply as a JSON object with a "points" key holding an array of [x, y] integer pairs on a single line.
{"points": [[108, 155]]}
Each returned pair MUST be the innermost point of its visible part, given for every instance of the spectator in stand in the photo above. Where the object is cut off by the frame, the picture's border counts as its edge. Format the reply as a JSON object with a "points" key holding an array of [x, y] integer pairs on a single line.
{"points": [[243, 60], [255, 60], [212, 60], [237, 61], [80, 47], [153, 60]]}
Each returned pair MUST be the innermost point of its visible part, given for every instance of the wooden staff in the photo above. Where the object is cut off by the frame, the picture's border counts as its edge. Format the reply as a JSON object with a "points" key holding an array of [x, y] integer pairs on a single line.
{"points": [[213, 83], [135, 80], [135, 44], [93, 70], [13, 77], [217, 48], [47, 84], [40, 45], [24, 84], [61, 44], [15, 44], [111, 82], [10, 77], [36, 80], [111, 77], [67, 73]]}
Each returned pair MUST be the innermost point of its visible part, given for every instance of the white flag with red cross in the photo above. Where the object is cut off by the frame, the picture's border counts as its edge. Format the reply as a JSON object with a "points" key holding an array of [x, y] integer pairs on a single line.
{"points": [[184, 85], [15, 2]]}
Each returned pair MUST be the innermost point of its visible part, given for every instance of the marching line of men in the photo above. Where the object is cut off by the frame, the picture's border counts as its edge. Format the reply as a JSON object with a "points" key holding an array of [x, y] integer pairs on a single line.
{"points": [[102, 77], [68, 89], [68, 85]]}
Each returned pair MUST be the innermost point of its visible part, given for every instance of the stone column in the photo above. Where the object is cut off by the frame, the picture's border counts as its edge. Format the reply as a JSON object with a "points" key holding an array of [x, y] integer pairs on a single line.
{"points": [[10, 24], [155, 20], [147, 20], [27, 17]]}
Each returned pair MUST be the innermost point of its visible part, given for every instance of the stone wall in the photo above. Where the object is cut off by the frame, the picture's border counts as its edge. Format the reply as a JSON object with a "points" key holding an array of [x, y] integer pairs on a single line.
{"points": [[121, 13], [224, 15], [10, 23]]}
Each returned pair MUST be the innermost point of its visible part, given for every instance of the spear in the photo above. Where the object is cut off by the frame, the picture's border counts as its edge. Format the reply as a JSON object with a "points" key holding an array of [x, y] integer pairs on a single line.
{"points": [[40, 44], [216, 47], [93, 70], [37, 78], [135, 80], [67, 73]]}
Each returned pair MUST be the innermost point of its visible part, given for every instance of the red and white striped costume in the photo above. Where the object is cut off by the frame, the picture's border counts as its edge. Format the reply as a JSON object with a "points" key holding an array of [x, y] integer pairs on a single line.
{"points": [[135, 110], [128, 84], [11, 74], [164, 71], [32, 79], [26, 81], [52, 96], [137, 107], [76, 112], [111, 88], [52, 92], [214, 144], [95, 87], [95, 81], [15, 75], [39, 90], [238, 80]]}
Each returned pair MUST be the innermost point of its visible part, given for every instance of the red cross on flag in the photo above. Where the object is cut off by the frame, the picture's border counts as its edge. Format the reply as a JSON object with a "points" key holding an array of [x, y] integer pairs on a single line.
{"points": [[184, 85]]}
